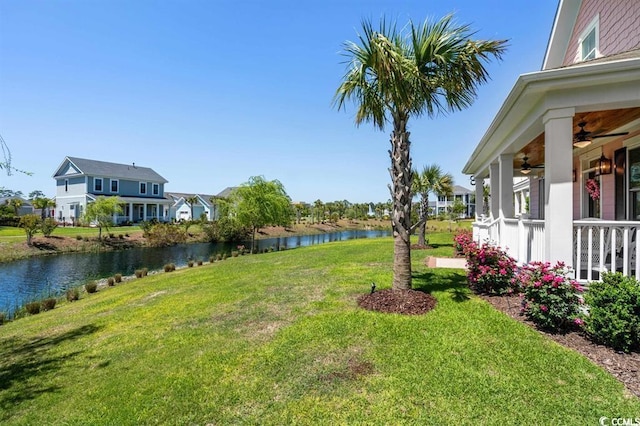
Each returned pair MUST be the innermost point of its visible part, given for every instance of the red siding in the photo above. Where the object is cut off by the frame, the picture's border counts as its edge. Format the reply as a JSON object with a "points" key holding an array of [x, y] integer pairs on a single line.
{"points": [[618, 25]]}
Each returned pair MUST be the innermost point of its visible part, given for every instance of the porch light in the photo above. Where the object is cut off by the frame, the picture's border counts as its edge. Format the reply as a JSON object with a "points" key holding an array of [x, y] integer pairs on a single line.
{"points": [[604, 165]]}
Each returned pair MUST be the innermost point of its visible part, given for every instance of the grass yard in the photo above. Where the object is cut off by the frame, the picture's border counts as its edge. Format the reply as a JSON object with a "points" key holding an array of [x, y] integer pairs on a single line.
{"points": [[278, 339]]}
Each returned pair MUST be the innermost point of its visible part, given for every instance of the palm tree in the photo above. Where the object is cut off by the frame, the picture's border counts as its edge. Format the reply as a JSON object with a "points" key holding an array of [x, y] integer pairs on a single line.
{"points": [[435, 68], [16, 203], [430, 180], [193, 200], [41, 203]]}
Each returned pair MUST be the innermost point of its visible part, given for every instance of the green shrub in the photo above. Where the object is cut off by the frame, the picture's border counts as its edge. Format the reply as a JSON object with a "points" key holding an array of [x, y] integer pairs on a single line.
{"points": [[218, 256], [169, 267], [212, 259], [111, 281], [72, 294], [138, 273], [224, 256], [614, 312], [190, 264], [49, 303], [3, 317], [145, 271], [234, 253], [165, 235], [120, 236], [199, 262], [91, 287], [79, 237], [551, 299], [33, 307], [118, 278], [48, 226], [112, 235]]}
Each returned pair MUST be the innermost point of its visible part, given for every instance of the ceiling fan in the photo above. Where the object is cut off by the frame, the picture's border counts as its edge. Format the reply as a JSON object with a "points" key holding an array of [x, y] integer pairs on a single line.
{"points": [[583, 137], [526, 168]]}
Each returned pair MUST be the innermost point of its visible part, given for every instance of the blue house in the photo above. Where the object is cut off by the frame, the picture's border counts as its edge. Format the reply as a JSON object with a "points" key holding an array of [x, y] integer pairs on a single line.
{"points": [[80, 181]]}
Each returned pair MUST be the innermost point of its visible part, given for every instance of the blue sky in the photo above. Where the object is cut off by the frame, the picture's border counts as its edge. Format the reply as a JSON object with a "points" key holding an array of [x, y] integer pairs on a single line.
{"points": [[209, 93]]}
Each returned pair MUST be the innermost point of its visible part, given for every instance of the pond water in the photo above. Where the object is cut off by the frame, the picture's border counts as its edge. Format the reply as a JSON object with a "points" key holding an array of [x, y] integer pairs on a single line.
{"points": [[30, 279]]}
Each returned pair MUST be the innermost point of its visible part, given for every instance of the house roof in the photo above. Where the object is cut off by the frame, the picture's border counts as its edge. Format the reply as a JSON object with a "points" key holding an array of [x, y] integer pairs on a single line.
{"points": [[226, 192], [116, 170], [600, 85], [183, 195], [457, 190], [563, 24]]}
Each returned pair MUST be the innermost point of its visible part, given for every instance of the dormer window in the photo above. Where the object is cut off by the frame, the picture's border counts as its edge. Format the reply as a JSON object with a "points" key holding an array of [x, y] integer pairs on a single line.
{"points": [[114, 185], [143, 187], [589, 42], [156, 189], [97, 184]]}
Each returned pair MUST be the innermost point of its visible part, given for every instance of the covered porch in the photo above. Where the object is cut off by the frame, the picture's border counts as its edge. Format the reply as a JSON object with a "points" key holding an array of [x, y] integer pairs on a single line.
{"points": [[572, 135]]}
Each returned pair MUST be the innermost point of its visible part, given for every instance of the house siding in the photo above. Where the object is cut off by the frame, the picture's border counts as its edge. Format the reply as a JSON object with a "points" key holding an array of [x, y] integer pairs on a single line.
{"points": [[618, 27], [76, 186]]}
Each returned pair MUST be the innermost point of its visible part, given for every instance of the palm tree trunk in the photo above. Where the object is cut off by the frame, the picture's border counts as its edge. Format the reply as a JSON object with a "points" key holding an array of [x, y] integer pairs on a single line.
{"points": [[424, 213], [401, 199]]}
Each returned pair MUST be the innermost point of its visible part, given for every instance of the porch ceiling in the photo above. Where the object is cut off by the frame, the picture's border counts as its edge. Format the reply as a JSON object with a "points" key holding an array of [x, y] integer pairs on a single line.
{"points": [[598, 122]]}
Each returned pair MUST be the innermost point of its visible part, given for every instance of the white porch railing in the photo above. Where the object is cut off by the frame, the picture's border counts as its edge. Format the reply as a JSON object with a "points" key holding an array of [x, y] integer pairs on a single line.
{"points": [[605, 246], [523, 239], [598, 245]]}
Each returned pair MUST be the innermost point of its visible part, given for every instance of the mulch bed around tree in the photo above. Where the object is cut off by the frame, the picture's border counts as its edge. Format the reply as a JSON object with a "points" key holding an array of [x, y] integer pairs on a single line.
{"points": [[407, 302], [624, 367]]}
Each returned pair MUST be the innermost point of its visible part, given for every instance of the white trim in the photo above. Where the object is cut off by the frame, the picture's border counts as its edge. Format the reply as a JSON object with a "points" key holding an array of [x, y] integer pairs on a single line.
{"points": [[594, 26], [95, 181], [111, 181]]}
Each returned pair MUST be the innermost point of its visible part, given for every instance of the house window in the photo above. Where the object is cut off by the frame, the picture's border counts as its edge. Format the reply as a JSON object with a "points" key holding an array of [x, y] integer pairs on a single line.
{"points": [[97, 184], [114, 185], [588, 41], [156, 189], [66, 185], [143, 187], [592, 190], [634, 183]]}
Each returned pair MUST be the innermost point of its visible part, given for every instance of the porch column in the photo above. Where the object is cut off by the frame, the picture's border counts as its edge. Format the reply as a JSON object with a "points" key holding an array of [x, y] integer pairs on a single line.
{"points": [[158, 212], [479, 197], [494, 184], [558, 185], [130, 212], [144, 212], [506, 185]]}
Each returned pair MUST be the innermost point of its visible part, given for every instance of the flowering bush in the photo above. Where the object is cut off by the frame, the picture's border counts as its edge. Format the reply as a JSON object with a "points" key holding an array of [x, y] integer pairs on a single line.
{"points": [[463, 241], [490, 269], [551, 299], [593, 188]]}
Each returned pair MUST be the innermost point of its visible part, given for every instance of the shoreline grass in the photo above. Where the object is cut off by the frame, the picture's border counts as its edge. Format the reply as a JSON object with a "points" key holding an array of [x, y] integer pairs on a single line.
{"points": [[278, 339]]}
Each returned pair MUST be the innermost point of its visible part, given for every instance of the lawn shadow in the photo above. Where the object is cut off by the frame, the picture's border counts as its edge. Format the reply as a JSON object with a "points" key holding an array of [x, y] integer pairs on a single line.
{"points": [[450, 282], [26, 365]]}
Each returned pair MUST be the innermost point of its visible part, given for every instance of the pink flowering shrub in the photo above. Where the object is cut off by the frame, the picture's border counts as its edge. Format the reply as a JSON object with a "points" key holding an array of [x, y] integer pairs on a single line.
{"points": [[551, 299], [463, 241], [490, 269]]}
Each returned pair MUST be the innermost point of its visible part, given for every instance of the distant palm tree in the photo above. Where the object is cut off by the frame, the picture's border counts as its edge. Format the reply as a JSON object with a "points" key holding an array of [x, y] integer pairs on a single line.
{"points": [[193, 200], [41, 203], [434, 68], [430, 180], [16, 203]]}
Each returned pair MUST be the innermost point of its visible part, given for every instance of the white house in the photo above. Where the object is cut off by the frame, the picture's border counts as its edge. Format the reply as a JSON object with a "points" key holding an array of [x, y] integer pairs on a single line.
{"points": [[573, 130], [462, 194]]}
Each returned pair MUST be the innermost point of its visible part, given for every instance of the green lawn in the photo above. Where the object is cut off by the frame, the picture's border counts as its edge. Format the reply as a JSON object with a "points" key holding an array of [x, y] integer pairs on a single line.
{"points": [[10, 232], [278, 339]]}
